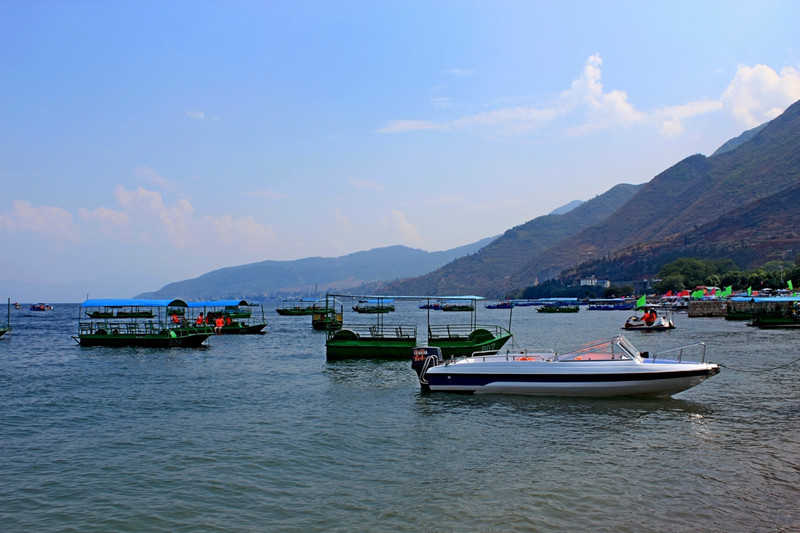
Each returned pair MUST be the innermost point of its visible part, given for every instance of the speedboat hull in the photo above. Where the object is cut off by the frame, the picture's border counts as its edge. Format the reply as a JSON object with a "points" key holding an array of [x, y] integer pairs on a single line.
{"points": [[552, 379], [621, 370]]}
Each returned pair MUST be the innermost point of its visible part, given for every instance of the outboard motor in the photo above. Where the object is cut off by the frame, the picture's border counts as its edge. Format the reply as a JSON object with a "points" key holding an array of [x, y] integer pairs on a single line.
{"points": [[424, 358]]}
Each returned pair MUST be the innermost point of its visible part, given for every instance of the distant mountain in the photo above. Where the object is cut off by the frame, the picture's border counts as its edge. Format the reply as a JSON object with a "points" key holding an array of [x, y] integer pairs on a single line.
{"points": [[566, 208], [313, 275], [736, 141], [696, 192], [487, 271]]}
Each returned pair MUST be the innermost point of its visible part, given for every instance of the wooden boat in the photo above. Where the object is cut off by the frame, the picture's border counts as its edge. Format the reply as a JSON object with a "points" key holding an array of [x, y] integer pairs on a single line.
{"points": [[361, 341], [551, 308], [505, 304], [457, 307], [300, 307], [5, 328], [373, 306], [236, 315], [780, 318], [608, 368], [160, 331], [610, 304], [329, 315], [41, 307], [392, 341]]}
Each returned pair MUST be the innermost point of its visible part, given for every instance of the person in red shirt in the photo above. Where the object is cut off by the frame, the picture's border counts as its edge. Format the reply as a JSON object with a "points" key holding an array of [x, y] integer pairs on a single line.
{"points": [[220, 323]]}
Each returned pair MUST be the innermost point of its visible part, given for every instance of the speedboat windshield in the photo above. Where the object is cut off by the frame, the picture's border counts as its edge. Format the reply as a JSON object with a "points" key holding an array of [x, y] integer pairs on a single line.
{"points": [[618, 348]]}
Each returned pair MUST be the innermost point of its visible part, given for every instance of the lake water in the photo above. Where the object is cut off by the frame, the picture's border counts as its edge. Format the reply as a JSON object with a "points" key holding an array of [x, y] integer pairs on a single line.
{"points": [[260, 433]]}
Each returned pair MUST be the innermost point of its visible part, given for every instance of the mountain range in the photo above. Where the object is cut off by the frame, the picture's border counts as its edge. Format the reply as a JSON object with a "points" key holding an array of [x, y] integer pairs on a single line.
{"points": [[739, 203]]}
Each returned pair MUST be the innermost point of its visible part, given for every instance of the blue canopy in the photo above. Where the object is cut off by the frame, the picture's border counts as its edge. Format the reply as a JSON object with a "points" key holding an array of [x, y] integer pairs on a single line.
{"points": [[219, 303], [133, 303]]}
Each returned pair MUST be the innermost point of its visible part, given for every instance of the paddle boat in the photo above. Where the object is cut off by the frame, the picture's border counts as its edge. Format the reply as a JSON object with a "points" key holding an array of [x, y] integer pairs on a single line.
{"points": [[608, 368], [160, 331], [651, 320]]}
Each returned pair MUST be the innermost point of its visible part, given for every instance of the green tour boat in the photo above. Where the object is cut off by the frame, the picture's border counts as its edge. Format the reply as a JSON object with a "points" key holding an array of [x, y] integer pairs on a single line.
{"points": [[236, 317], [159, 331], [395, 341]]}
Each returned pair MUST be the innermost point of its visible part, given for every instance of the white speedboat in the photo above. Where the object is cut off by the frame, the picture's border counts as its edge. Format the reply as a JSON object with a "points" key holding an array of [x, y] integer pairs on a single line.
{"points": [[610, 368]]}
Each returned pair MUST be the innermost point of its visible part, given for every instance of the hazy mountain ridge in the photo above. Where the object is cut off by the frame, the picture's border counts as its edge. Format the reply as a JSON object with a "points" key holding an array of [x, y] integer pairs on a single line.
{"points": [[483, 272], [312, 275]]}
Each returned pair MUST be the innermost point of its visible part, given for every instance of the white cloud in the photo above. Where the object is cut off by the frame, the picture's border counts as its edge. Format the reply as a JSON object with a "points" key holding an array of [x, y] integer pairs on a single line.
{"points": [[198, 115], [396, 223], [52, 222], [153, 222], [148, 175], [342, 221], [583, 108], [759, 94], [104, 217]]}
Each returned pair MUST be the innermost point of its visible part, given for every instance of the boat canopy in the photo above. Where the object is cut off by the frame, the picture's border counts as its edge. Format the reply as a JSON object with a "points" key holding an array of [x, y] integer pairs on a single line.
{"points": [[764, 299], [220, 303], [134, 303], [402, 297]]}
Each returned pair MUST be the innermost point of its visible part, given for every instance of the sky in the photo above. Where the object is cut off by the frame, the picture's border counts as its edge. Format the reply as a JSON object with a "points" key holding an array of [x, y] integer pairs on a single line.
{"points": [[147, 142]]}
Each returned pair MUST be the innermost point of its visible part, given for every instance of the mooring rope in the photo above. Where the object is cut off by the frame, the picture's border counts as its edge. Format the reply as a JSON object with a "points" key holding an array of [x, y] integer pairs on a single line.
{"points": [[762, 369]]}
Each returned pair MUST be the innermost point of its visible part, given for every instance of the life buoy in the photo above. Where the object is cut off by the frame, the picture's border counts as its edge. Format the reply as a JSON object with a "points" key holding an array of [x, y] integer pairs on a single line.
{"points": [[525, 359]]}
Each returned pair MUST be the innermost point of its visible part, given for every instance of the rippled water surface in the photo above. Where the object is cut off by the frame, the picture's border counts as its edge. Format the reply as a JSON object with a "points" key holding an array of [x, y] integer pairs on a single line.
{"points": [[260, 433]]}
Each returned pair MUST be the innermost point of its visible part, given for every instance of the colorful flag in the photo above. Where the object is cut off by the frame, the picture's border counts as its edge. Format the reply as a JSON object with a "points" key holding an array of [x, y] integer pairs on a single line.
{"points": [[641, 301], [749, 291], [790, 285]]}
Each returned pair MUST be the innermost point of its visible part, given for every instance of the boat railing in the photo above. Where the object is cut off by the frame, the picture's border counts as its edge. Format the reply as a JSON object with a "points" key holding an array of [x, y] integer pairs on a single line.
{"points": [[461, 331], [680, 351], [384, 331]]}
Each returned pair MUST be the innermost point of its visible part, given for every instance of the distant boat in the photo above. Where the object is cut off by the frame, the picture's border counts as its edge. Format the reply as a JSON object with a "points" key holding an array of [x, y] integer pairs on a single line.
{"points": [[505, 304], [299, 307], [41, 307], [237, 316], [373, 306], [554, 308]]}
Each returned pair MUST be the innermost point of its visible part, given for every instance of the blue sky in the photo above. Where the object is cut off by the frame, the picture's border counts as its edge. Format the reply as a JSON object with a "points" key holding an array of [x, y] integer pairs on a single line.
{"points": [[148, 142]]}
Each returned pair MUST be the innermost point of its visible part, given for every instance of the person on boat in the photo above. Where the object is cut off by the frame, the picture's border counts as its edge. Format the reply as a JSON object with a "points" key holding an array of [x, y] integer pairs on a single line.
{"points": [[175, 319], [220, 322], [199, 320], [228, 320], [650, 317]]}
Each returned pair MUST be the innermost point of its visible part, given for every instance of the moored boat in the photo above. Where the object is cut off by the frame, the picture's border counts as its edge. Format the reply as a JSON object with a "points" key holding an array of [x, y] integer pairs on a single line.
{"points": [[374, 306], [157, 332], [609, 368], [5, 328], [236, 316], [300, 307], [392, 341], [554, 308]]}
